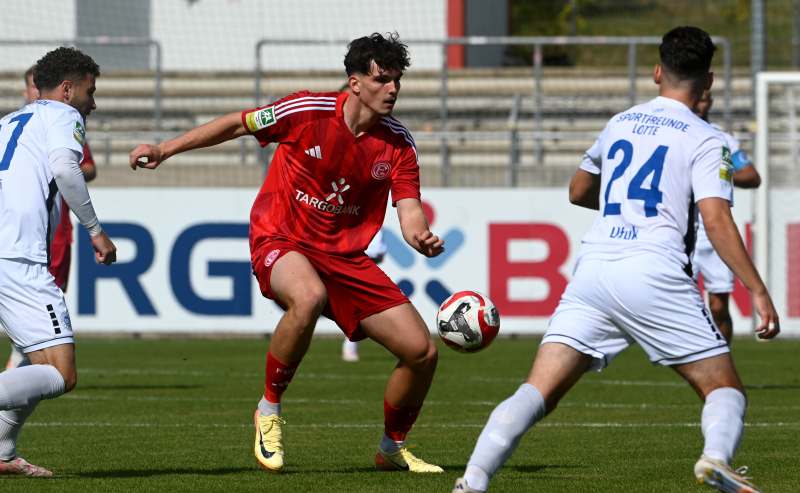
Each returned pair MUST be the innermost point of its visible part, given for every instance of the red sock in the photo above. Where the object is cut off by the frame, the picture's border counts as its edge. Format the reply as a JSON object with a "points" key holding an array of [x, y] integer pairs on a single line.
{"points": [[278, 377], [398, 422]]}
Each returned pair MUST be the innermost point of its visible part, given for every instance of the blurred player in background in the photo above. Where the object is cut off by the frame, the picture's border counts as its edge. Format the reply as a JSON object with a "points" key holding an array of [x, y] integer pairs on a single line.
{"points": [[44, 145], [648, 171], [375, 251], [323, 200], [718, 279], [61, 247]]}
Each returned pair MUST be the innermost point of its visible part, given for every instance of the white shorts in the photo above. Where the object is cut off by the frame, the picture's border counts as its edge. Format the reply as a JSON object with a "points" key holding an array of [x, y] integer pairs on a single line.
{"points": [[646, 299], [717, 277], [32, 308]]}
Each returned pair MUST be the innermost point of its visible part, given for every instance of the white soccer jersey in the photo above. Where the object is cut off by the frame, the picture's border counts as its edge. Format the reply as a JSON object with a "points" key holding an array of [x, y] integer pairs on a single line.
{"points": [[740, 160], [30, 204], [657, 160]]}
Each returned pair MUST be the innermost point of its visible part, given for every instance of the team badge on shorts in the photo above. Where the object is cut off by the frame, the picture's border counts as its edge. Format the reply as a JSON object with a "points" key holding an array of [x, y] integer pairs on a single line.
{"points": [[65, 321], [271, 257], [381, 170]]}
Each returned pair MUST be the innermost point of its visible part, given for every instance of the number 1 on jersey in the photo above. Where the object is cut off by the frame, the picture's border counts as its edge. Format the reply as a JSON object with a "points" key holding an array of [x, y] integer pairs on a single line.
{"points": [[651, 196], [12, 142]]}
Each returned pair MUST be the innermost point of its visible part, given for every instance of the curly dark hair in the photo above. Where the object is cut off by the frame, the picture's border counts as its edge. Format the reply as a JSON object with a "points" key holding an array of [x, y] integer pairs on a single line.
{"points": [[63, 64], [387, 52], [686, 52]]}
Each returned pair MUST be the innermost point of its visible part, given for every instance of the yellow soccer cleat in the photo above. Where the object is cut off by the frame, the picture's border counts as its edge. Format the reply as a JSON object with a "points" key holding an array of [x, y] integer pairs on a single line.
{"points": [[269, 441], [719, 475], [403, 460]]}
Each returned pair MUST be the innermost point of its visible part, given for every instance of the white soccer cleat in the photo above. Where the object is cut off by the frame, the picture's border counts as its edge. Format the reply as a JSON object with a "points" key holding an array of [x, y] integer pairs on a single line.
{"points": [[21, 467], [350, 354], [719, 475], [463, 487]]}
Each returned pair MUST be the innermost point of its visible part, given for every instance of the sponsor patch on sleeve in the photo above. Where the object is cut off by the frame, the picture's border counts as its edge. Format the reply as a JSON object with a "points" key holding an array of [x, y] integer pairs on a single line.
{"points": [[79, 133], [260, 119], [726, 165]]}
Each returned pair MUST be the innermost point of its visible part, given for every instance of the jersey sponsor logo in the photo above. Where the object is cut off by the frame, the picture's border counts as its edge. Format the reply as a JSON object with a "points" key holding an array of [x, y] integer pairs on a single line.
{"points": [[324, 205], [381, 170], [726, 165], [624, 234], [271, 257], [260, 119], [79, 133], [337, 192]]}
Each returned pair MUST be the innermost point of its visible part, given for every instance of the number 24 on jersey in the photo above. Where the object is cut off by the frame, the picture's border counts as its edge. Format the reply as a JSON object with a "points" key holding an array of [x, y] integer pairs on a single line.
{"points": [[651, 196]]}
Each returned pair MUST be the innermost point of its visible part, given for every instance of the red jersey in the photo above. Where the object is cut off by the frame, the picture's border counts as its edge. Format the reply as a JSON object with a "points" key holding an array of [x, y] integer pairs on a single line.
{"points": [[327, 189]]}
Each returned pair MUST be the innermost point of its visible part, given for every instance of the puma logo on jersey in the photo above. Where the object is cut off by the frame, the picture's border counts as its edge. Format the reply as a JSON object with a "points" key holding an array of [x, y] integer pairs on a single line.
{"points": [[624, 234], [315, 152], [323, 205]]}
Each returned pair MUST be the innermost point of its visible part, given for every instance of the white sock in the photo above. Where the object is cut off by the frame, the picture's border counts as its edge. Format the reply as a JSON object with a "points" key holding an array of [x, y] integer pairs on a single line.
{"points": [[476, 478], [501, 435], [10, 425], [723, 423], [267, 408], [27, 385], [348, 344], [391, 446]]}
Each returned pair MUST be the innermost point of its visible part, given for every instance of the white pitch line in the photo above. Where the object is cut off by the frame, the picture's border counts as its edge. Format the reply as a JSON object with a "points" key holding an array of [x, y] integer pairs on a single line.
{"points": [[336, 376], [380, 425]]}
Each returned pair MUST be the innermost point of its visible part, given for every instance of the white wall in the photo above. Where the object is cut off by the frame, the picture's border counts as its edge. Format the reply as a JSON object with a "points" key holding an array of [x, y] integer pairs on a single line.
{"points": [[33, 19]]}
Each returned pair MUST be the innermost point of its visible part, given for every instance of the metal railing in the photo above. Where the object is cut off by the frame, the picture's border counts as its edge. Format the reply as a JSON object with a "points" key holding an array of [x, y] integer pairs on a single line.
{"points": [[111, 41], [537, 43]]}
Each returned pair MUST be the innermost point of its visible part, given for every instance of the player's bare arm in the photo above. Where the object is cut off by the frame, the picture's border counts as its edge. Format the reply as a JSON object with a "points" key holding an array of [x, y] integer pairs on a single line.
{"points": [[416, 232], [724, 235], [215, 132], [584, 190], [747, 177]]}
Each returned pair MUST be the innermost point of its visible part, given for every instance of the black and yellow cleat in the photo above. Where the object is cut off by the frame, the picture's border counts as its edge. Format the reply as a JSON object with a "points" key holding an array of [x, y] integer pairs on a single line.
{"points": [[269, 441]]}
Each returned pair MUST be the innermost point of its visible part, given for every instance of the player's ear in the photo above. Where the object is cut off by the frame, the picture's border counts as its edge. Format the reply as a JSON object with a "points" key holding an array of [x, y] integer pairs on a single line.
{"points": [[657, 75], [709, 81], [67, 88], [355, 84]]}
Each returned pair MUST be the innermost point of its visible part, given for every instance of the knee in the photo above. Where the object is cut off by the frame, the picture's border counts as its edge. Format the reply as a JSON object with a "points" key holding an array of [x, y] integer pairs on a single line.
{"points": [[718, 307], [308, 305], [425, 358], [70, 380]]}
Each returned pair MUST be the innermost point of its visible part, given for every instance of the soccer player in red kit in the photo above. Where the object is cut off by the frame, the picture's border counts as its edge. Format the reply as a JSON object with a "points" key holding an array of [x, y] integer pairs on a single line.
{"points": [[323, 200], [61, 247]]}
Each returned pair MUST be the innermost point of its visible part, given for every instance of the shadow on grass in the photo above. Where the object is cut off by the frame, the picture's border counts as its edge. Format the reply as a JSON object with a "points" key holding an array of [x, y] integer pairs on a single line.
{"points": [[772, 387], [138, 387], [148, 473], [534, 469]]}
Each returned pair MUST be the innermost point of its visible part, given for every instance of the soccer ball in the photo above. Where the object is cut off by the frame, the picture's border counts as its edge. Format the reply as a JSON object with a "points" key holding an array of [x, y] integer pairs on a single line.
{"points": [[468, 322]]}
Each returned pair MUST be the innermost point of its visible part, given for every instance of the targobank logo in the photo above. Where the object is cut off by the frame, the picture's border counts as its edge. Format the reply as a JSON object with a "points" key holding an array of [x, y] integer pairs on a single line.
{"points": [[326, 205], [406, 257]]}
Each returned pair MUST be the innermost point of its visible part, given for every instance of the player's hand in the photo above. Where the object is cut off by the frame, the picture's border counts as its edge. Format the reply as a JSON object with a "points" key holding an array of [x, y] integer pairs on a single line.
{"points": [[105, 251], [429, 244], [146, 156], [770, 327]]}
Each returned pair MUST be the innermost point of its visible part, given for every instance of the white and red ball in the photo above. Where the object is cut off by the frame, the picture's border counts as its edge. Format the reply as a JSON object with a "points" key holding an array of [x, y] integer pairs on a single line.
{"points": [[468, 322]]}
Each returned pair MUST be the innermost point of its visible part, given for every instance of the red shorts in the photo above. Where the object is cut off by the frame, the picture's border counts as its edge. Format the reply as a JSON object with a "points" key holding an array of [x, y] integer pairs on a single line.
{"points": [[60, 257], [357, 288]]}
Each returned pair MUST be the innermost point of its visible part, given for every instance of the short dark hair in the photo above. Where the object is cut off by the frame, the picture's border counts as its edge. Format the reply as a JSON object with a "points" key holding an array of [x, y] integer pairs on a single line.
{"points": [[387, 52], [29, 73], [686, 52], [63, 64]]}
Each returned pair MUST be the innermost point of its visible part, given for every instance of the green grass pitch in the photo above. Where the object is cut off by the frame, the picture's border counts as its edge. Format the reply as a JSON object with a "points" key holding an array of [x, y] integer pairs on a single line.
{"points": [[176, 415]]}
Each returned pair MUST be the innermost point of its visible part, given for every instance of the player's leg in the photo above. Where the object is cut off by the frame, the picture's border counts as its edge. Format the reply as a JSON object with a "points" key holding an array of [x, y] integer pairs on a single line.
{"points": [[718, 305], [401, 330], [580, 338], [716, 382], [295, 284], [350, 351]]}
